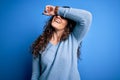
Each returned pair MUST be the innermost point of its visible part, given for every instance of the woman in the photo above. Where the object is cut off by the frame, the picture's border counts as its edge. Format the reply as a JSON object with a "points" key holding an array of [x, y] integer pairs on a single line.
{"points": [[55, 51]]}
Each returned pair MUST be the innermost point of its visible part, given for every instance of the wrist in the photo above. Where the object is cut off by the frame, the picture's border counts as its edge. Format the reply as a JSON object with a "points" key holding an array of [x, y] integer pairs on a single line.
{"points": [[56, 9]]}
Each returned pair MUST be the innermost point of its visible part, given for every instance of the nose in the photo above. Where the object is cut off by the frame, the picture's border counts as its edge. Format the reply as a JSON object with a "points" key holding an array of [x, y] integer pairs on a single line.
{"points": [[58, 16]]}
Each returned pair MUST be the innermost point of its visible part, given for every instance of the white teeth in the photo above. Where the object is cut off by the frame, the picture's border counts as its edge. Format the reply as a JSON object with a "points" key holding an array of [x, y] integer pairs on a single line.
{"points": [[57, 20]]}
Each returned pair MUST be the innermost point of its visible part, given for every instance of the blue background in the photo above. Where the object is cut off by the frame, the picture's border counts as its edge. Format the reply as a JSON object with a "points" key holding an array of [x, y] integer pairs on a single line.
{"points": [[21, 23]]}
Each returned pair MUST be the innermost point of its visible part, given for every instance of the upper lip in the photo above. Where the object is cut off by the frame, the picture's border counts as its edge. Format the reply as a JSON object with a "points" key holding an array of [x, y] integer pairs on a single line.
{"points": [[57, 19]]}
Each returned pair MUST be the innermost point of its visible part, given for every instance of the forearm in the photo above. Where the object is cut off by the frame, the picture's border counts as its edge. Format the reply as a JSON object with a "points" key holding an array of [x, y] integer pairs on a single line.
{"points": [[77, 15], [82, 17]]}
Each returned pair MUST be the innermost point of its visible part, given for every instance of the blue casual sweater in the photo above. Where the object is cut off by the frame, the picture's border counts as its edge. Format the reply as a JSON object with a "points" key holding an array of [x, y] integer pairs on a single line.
{"points": [[59, 62]]}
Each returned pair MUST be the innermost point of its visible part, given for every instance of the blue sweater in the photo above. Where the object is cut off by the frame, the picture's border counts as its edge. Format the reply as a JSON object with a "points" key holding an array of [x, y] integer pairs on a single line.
{"points": [[59, 62]]}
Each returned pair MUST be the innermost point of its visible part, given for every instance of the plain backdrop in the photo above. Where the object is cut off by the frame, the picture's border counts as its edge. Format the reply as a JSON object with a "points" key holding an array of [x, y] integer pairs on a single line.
{"points": [[21, 22]]}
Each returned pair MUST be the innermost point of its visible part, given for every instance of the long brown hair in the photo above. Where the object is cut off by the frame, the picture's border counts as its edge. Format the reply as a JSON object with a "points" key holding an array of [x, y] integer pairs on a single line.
{"points": [[41, 42]]}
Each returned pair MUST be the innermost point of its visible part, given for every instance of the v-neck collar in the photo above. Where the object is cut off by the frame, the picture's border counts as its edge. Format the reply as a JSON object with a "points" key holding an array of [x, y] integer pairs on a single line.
{"points": [[54, 44]]}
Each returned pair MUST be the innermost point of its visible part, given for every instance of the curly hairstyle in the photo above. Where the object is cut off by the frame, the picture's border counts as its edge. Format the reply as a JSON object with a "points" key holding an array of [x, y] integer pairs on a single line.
{"points": [[41, 42]]}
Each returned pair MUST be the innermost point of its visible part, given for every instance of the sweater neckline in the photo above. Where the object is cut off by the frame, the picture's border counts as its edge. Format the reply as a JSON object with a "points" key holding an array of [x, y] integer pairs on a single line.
{"points": [[54, 44]]}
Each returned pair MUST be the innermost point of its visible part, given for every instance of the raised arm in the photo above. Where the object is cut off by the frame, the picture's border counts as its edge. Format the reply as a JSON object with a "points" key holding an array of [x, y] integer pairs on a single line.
{"points": [[82, 17], [35, 68]]}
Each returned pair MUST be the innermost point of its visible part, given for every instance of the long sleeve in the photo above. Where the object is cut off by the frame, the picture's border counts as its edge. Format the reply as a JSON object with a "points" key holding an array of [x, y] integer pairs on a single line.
{"points": [[83, 19], [35, 68]]}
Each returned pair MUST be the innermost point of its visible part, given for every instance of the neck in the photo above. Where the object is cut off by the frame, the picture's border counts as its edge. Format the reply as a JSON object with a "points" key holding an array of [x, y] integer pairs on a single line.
{"points": [[57, 35]]}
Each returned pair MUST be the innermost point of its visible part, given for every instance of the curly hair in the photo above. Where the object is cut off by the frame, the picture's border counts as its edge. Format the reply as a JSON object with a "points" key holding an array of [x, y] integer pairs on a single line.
{"points": [[41, 42]]}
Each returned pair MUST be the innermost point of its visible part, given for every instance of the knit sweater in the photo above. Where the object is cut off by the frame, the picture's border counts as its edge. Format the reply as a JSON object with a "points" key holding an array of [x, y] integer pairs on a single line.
{"points": [[59, 62]]}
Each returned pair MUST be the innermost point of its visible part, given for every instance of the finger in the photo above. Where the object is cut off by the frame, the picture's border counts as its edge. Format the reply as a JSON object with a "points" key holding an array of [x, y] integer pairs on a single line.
{"points": [[44, 13], [49, 8]]}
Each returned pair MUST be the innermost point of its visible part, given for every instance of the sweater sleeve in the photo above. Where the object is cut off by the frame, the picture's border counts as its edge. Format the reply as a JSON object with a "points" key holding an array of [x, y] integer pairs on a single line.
{"points": [[83, 19], [35, 68]]}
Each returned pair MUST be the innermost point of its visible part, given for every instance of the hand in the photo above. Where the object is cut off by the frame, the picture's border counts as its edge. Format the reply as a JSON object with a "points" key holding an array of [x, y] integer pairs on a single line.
{"points": [[49, 10]]}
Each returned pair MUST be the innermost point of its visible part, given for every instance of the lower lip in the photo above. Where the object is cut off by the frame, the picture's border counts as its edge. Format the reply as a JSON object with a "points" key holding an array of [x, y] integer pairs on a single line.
{"points": [[58, 22]]}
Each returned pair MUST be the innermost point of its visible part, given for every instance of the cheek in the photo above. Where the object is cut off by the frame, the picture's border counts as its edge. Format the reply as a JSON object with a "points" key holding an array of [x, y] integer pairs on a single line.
{"points": [[65, 23]]}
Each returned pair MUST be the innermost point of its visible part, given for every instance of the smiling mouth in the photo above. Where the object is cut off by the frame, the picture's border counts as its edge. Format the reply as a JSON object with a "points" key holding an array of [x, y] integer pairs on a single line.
{"points": [[57, 20]]}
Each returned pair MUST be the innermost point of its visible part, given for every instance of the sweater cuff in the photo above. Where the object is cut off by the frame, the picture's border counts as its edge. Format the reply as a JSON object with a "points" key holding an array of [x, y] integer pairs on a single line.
{"points": [[62, 11]]}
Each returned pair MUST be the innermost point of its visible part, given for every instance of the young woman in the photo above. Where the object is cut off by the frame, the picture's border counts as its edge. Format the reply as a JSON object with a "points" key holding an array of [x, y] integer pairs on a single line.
{"points": [[55, 51]]}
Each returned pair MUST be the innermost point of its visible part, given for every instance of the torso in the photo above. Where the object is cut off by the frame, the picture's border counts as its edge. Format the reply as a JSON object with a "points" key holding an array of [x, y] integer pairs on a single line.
{"points": [[60, 56]]}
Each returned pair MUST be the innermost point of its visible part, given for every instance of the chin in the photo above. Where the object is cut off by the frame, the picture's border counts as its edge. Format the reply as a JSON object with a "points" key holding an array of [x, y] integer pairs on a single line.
{"points": [[55, 25]]}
